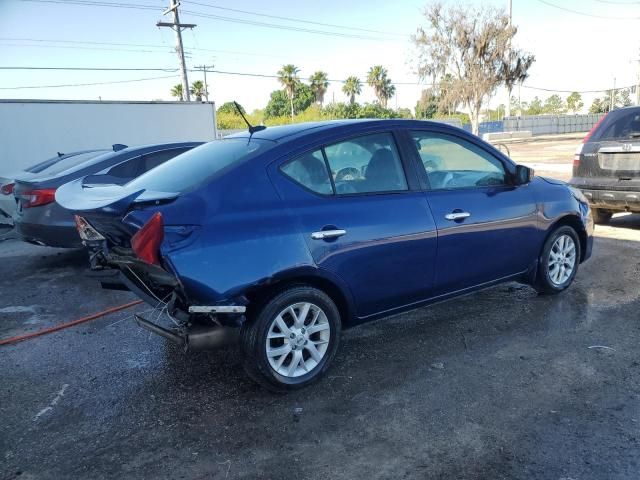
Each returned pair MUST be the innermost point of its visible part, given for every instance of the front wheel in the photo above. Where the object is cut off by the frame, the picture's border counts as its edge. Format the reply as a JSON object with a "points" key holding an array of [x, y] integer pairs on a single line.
{"points": [[558, 262], [292, 340]]}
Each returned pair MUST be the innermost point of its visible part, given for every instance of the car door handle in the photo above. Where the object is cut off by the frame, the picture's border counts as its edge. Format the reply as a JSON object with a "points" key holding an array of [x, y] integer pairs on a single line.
{"points": [[326, 234], [457, 215]]}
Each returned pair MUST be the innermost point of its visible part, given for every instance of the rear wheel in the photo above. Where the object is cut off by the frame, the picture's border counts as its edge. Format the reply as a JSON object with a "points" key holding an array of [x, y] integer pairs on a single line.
{"points": [[292, 340], [601, 216], [559, 260]]}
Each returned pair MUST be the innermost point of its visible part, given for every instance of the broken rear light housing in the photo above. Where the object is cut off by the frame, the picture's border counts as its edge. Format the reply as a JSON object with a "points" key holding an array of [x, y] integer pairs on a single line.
{"points": [[39, 197], [146, 241], [7, 188]]}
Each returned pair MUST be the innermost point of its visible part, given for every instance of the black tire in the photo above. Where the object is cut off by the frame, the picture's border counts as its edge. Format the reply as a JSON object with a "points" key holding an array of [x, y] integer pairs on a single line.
{"points": [[544, 282], [253, 339], [600, 216]]}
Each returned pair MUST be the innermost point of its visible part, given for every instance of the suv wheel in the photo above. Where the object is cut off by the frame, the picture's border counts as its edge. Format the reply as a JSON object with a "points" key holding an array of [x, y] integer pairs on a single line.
{"points": [[292, 340], [559, 260], [601, 216]]}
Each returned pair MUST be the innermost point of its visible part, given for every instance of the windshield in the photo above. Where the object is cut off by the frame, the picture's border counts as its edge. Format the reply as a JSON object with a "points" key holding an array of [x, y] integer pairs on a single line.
{"points": [[190, 169]]}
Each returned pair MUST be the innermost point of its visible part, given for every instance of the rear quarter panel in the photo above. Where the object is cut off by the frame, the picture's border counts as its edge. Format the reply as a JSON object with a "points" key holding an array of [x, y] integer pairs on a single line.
{"points": [[246, 237]]}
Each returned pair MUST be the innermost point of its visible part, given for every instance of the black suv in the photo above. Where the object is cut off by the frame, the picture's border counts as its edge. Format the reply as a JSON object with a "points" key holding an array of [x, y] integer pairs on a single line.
{"points": [[606, 167]]}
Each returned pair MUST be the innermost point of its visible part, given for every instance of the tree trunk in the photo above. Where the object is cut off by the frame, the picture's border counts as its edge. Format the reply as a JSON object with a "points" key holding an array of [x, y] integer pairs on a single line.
{"points": [[291, 101], [507, 106], [352, 99]]}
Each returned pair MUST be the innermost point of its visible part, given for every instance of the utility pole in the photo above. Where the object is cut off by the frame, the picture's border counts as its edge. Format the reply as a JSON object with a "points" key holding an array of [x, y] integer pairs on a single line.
{"points": [[177, 27], [204, 68], [638, 83], [507, 107], [613, 95]]}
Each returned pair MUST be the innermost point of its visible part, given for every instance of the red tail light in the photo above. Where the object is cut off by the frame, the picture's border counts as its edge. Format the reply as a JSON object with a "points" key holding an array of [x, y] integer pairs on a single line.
{"points": [[7, 188], [37, 198], [146, 242], [595, 127]]}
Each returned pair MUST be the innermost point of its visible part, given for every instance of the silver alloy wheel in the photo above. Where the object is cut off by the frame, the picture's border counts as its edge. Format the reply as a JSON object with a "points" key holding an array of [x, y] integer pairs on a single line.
{"points": [[562, 259], [298, 339]]}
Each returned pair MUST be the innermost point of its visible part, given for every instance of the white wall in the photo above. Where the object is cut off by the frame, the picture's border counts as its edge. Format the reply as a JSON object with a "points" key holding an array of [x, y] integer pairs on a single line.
{"points": [[33, 130]]}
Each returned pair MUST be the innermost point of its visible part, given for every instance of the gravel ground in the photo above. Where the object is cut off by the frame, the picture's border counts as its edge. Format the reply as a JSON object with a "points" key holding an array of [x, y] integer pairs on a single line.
{"points": [[500, 384]]}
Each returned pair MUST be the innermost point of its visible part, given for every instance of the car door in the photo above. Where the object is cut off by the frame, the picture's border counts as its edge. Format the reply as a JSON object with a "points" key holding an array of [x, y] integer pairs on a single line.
{"points": [[362, 221], [486, 223]]}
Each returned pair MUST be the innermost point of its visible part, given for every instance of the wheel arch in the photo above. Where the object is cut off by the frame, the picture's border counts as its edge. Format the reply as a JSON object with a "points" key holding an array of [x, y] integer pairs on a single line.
{"points": [[339, 293], [574, 222]]}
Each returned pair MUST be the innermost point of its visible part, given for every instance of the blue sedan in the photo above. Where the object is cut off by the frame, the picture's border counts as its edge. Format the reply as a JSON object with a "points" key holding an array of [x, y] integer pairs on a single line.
{"points": [[279, 238]]}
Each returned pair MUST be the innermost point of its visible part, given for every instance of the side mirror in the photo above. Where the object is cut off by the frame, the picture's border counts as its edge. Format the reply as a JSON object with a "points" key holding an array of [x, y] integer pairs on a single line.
{"points": [[523, 174]]}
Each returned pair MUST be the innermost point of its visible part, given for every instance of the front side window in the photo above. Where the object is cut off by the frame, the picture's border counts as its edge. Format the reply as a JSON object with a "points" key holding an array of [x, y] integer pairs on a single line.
{"points": [[366, 164], [450, 162], [310, 171]]}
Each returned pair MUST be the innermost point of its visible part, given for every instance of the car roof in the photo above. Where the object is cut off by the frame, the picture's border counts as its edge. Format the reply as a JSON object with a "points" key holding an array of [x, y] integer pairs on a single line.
{"points": [[285, 133]]}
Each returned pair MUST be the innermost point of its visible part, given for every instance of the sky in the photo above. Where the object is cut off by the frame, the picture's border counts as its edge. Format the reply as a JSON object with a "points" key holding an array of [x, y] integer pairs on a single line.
{"points": [[583, 45]]}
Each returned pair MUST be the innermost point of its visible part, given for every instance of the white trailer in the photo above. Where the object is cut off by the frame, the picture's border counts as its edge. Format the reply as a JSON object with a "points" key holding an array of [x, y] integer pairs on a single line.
{"points": [[32, 131]]}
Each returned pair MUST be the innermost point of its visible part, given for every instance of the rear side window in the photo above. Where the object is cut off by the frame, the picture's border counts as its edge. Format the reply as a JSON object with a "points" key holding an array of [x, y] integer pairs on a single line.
{"points": [[619, 124], [367, 164], [71, 162], [310, 171], [195, 167]]}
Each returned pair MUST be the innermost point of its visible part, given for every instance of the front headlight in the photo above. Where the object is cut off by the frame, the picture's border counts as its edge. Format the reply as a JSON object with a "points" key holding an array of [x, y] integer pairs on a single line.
{"points": [[578, 195]]}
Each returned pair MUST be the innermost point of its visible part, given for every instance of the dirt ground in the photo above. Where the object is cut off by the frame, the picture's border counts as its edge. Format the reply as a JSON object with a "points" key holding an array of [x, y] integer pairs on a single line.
{"points": [[549, 156]]}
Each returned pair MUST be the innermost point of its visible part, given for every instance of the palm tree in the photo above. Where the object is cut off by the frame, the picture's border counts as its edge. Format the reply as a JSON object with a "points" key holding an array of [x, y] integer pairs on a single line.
{"points": [[378, 79], [288, 77], [387, 91], [198, 90], [352, 87], [319, 82], [176, 91]]}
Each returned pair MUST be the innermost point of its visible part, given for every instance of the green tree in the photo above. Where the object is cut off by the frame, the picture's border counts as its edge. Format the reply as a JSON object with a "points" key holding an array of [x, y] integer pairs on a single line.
{"points": [[599, 106], [625, 98], [352, 87], [229, 107], [554, 105], [197, 89], [535, 107], [378, 79], [342, 110], [280, 104], [176, 91], [288, 77], [427, 106], [474, 45], [574, 102], [319, 82]]}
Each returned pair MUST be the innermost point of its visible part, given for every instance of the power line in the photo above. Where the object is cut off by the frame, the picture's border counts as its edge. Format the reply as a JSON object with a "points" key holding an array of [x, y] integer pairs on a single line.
{"points": [[264, 75], [78, 47], [143, 45], [97, 69], [284, 27], [299, 20], [611, 2], [584, 13], [89, 84], [217, 17], [99, 4]]}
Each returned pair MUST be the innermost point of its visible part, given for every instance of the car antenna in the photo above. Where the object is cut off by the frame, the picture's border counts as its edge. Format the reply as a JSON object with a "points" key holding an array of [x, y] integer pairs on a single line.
{"points": [[252, 129]]}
